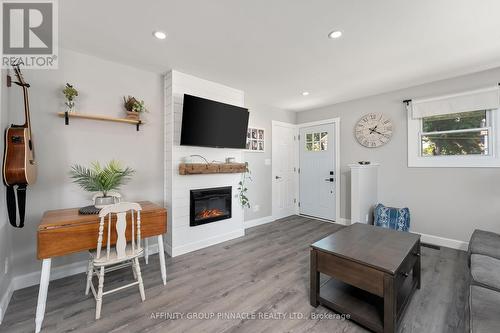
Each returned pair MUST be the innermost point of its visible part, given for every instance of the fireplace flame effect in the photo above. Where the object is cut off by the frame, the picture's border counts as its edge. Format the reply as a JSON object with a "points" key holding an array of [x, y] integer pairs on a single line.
{"points": [[208, 213]]}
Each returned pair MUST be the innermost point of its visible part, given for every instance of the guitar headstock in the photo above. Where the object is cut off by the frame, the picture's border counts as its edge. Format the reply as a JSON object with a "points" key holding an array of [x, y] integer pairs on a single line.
{"points": [[19, 75]]}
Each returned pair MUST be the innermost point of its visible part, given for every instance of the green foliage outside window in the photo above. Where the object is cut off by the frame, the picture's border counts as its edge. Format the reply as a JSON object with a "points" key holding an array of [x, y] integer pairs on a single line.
{"points": [[456, 143]]}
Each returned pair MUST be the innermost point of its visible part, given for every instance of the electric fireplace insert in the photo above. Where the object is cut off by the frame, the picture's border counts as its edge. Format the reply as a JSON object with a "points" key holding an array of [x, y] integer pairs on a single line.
{"points": [[210, 205]]}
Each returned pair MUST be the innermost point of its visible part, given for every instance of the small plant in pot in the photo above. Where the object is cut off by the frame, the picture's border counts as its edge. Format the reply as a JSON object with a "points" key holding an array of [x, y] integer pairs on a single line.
{"points": [[102, 179], [70, 93], [134, 107]]}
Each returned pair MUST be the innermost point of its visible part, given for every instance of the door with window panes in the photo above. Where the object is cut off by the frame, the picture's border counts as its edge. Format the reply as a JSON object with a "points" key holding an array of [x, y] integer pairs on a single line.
{"points": [[317, 171]]}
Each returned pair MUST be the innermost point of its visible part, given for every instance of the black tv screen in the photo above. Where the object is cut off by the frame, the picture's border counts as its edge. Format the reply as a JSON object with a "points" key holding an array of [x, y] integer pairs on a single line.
{"points": [[208, 123]]}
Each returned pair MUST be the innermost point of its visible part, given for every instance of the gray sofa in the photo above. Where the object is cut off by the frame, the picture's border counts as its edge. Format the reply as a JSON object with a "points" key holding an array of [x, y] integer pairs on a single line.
{"points": [[484, 297]]}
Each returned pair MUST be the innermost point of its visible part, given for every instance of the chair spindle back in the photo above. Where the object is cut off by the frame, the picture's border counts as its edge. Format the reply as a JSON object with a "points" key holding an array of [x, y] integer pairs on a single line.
{"points": [[120, 210]]}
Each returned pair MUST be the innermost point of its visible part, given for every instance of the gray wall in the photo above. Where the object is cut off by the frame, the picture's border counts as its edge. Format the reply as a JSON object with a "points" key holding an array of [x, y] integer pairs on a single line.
{"points": [[101, 84], [445, 202], [260, 189]]}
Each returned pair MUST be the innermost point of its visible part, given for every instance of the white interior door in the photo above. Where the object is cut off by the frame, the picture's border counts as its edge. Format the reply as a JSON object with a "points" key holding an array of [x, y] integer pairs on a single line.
{"points": [[283, 167], [317, 177]]}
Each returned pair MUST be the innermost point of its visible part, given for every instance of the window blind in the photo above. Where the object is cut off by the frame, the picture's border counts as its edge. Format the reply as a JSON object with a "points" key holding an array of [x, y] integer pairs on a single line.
{"points": [[482, 99]]}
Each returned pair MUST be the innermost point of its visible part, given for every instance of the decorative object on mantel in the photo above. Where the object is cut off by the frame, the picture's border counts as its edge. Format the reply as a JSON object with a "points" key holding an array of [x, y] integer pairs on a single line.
{"points": [[101, 179], [68, 115], [134, 107], [242, 189], [209, 168], [189, 159], [364, 162], [255, 140], [230, 160], [70, 93]]}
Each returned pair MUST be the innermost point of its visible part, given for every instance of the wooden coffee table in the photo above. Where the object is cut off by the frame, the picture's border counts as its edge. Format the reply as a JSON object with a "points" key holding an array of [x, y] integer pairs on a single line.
{"points": [[375, 272]]}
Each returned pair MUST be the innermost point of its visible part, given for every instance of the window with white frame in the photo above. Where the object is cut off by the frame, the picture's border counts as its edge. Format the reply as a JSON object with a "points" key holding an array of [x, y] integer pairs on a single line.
{"points": [[466, 133], [458, 130]]}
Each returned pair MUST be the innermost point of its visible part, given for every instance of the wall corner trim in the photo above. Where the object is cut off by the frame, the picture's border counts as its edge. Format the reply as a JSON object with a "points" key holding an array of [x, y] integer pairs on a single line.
{"points": [[5, 300]]}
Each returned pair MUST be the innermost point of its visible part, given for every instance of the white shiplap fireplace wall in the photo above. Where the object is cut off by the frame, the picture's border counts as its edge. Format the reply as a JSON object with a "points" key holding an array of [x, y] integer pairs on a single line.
{"points": [[182, 238]]}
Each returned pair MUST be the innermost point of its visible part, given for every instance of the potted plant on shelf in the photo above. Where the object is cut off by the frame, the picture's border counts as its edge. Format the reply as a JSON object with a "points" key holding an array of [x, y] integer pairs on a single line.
{"points": [[102, 179], [134, 107], [70, 93]]}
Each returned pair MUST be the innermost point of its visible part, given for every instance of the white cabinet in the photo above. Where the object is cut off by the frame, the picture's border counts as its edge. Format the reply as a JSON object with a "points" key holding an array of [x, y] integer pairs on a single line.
{"points": [[364, 192]]}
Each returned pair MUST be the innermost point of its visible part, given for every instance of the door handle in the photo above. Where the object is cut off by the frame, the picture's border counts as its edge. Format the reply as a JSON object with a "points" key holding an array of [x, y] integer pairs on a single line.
{"points": [[277, 177], [331, 180]]}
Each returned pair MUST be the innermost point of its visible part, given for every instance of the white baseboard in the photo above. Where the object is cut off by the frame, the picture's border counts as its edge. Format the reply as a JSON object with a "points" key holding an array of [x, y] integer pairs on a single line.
{"points": [[441, 241], [4, 301], [177, 251], [344, 221], [429, 239], [341, 220], [153, 248], [256, 222], [168, 248], [33, 278]]}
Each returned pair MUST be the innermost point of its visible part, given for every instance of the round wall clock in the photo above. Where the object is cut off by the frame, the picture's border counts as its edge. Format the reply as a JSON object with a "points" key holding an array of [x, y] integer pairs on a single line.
{"points": [[373, 130]]}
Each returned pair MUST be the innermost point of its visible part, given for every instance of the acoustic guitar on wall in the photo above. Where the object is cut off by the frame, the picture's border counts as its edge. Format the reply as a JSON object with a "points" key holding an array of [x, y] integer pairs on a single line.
{"points": [[19, 167]]}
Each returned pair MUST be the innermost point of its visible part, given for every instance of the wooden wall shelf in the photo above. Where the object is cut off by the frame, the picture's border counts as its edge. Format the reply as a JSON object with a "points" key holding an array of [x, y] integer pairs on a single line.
{"points": [[203, 168], [67, 115]]}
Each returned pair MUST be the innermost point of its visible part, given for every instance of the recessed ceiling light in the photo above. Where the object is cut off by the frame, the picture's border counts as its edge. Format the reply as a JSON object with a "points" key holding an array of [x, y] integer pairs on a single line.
{"points": [[335, 34], [160, 34], [305, 93]]}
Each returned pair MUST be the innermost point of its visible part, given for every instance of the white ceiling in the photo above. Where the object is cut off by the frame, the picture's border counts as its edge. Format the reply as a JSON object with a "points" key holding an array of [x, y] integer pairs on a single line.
{"points": [[275, 49]]}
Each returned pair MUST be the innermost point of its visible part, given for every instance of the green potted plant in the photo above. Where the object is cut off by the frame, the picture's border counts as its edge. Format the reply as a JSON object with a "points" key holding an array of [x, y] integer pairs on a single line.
{"points": [[70, 93], [242, 189], [103, 179], [134, 107]]}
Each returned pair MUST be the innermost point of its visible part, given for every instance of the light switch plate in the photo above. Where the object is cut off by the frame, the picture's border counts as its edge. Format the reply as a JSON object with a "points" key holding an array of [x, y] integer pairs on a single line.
{"points": [[267, 161]]}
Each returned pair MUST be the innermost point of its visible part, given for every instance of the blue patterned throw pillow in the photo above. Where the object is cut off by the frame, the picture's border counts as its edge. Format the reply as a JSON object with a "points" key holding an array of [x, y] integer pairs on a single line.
{"points": [[392, 218]]}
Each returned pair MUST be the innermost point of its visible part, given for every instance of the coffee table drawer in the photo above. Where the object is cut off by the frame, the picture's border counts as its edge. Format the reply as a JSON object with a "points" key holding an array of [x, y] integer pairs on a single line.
{"points": [[352, 273], [405, 270]]}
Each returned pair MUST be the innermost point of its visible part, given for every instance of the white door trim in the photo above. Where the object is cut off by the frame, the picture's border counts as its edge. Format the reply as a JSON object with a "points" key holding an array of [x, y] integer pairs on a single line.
{"points": [[275, 123], [336, 123]]}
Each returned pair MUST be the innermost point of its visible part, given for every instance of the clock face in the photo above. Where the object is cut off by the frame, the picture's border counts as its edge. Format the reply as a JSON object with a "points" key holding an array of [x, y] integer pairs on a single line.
{"points": [[373, 130]]}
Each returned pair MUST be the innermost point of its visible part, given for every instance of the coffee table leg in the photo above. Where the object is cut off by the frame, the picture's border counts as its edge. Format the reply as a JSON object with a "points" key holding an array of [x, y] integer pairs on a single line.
{"points": [[314, 289], [389, 304], [417, 274]]}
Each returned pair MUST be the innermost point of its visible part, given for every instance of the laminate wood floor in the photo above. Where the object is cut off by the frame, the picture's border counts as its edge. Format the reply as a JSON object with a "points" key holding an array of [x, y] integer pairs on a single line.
{"points": [[266, 271]]}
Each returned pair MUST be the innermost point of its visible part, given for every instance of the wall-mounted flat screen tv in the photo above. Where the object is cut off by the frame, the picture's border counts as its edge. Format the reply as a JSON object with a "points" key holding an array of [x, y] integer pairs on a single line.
{"points": [[207, 123]]}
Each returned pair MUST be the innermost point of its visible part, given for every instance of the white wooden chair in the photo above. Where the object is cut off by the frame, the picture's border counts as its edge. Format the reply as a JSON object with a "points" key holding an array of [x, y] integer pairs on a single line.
{"points": [[121, 256], [118, 198]]}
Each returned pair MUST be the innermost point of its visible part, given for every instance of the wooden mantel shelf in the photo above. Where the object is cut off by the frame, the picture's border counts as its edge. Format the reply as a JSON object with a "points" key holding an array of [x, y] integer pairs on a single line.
{"points": [[67, 115], [203, 168]]}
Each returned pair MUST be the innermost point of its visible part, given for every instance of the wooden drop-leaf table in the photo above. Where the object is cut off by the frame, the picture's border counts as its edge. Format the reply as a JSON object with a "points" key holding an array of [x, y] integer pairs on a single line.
{"points": [[65, 231]]}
